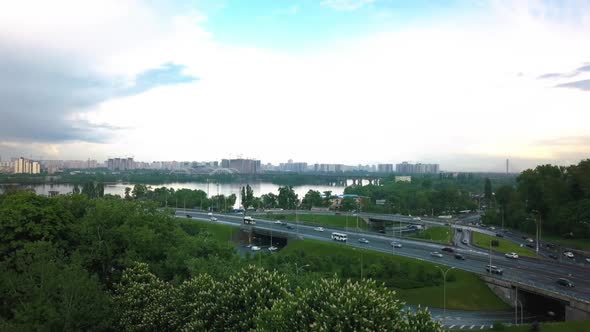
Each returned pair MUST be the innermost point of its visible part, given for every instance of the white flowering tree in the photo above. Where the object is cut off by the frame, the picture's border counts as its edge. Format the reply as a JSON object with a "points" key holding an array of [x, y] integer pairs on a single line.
{"points": [[330, 305], [144, 302]]}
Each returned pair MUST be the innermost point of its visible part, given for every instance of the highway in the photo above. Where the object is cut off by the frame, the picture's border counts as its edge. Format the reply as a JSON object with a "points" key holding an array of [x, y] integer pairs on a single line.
{"points": [[539, 273]]}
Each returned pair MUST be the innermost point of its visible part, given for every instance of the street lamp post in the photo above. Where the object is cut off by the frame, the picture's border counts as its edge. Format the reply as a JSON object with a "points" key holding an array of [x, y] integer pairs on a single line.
{"points": [[444, 273]]}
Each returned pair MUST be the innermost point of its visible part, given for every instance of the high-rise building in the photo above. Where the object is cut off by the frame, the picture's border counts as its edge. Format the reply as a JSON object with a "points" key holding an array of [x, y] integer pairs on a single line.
{"points": [[385, 168], [25, 166], [242, 166], [407, 168], [120, 164]]}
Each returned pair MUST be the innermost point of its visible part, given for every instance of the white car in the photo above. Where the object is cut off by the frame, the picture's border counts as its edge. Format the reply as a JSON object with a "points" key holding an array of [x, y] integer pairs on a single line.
{"points": [[363, 240], [396, 244], [210, 213], [272, 248], [465, 242], [319, 229], [587, 260], [278, 222], [213, 219], [512, 255], [436, 254], [568, 254], [255, 248]]}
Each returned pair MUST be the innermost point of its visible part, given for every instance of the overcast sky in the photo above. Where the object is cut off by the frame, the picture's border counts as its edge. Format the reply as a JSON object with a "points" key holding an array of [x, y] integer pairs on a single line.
{"points": [[466, 84]]}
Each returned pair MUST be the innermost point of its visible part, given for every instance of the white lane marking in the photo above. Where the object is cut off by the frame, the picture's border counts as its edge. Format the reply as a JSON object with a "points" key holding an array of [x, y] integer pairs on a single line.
{"points": [[472, 326], [462, 326], [481, 328], [450, 327]]}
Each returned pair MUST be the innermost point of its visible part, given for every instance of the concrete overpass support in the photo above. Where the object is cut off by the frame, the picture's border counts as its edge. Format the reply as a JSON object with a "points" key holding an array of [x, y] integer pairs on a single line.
{"points": [[577, 311]]}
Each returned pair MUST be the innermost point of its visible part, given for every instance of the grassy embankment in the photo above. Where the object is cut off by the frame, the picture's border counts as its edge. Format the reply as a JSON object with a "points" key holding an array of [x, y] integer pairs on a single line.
{"points": [[439, 234], [416, 282], [505, 246], [341, 221]]}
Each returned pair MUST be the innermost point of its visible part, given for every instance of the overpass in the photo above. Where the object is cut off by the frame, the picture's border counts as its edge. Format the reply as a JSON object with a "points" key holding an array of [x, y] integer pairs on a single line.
{"points": [[532, 277]]}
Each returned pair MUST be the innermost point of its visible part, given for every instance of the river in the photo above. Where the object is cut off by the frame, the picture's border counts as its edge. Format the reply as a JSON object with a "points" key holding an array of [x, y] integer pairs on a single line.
{"points": [[259, 188]]}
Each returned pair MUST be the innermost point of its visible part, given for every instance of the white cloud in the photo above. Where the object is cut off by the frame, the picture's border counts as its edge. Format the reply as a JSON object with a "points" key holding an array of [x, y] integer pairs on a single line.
{"points": [[462, 92], [346, 5]]}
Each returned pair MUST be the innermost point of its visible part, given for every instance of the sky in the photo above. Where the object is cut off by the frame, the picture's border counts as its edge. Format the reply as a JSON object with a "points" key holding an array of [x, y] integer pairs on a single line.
{"points": [[462, 83]]}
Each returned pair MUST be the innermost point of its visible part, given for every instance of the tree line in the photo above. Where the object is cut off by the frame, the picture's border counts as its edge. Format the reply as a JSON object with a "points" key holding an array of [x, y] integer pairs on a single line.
{"points": [[557, 197]]}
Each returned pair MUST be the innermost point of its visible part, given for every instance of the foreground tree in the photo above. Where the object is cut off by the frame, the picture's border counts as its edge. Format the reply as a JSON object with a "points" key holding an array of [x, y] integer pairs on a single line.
{"points": [[330, 305]]}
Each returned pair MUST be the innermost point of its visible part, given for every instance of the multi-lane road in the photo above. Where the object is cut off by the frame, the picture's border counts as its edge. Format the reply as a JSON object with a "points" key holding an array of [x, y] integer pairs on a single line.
{"points": [[539, 273]]}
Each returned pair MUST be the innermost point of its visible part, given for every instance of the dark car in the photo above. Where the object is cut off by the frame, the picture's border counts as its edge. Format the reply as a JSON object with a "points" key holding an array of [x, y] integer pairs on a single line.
{"points": [[459, 257], [550, 245], [447, 249], [565, 282], [499, 235], [189, 216], [530, 245], [459, 229], [554, 256], [290, 227], [382, 231]]}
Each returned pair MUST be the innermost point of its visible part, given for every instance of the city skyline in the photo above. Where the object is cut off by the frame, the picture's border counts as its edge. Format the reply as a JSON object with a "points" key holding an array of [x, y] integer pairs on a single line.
{"points": [[466, 85]]}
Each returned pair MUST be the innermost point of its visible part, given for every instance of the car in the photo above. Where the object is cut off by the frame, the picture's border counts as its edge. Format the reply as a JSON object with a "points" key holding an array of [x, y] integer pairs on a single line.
{"points": [[554, 256], [465, 242], [396, 244], [512, 255], [494, 269], [255, 248], [492, 228], [524, 237], [272, 248], [459, 229], [290, 227], [363, 240], [568, 254], [499, 235], [213, 219], [530, 245], [210, 213], [278, 222], [587, 260], [447, 249], [529, 240], [459, 257], [565, 282], [382, 231], [549, 245], [319, 229], [436, 254], [189, 216]]}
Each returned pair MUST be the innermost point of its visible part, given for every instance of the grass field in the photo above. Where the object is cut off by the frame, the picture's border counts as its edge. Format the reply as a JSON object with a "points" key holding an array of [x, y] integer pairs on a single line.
{"points": [[483, 241], [412, 279], [325, 220], [218, 232], [440, 234], [576, 326]]}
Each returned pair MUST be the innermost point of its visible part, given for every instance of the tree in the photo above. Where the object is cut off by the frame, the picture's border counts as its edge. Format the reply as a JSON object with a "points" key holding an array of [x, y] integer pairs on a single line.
{"points": [[269, 201], [287, 198], [327, 197], [247, 197], [26, 217], [76, 189], [139, 191], [144, 302], [42, 291], [127, 192], [311, 199], [330, 305]]}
